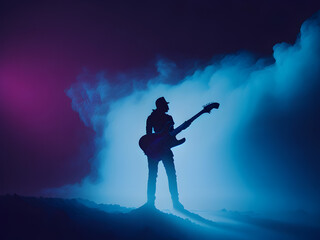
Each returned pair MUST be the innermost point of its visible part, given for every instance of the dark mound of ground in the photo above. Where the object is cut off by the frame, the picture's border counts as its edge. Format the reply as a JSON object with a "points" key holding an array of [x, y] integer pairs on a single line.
{"points": [[54, 218]]}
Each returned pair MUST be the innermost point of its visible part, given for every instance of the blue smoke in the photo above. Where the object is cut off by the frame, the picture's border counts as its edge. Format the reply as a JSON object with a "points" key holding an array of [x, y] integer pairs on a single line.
{"points": [[259, 151]]}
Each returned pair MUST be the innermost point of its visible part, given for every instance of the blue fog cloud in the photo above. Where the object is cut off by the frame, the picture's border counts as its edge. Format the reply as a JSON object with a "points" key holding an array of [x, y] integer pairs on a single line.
{"points": [[243, 156]]}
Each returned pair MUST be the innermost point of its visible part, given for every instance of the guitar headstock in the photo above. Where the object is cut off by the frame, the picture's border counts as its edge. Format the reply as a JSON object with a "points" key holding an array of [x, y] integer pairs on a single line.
{"points": [[207, 108]]}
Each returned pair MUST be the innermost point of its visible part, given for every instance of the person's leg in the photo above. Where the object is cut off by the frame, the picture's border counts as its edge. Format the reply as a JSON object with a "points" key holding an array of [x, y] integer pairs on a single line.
{"points": [[172, 180], [152, 178]]}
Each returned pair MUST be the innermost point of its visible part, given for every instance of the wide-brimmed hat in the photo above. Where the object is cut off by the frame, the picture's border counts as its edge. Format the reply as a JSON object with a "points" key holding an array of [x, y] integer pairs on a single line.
{"points": [[161, 101]]}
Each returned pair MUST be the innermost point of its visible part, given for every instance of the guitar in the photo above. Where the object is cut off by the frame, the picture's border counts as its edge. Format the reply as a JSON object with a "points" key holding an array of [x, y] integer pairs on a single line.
{"points": [[156, 144]]}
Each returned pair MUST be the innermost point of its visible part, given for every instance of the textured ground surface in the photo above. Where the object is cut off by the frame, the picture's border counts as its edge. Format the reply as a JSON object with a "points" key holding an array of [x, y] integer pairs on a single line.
{"points": [[53, 218]]}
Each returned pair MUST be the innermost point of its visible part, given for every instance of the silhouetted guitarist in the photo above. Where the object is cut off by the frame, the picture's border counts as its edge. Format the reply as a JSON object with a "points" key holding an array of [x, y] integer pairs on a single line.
{"points": [[158, 121], [157, 146]]}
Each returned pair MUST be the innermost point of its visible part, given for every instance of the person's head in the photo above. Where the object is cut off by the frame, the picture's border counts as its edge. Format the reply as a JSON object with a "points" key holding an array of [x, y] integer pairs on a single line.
{"points": [[162, 104]]}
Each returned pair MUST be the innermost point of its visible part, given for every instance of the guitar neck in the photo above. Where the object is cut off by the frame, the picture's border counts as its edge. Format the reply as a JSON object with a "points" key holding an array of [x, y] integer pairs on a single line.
{"points": [[195, 116], [188, 122]]}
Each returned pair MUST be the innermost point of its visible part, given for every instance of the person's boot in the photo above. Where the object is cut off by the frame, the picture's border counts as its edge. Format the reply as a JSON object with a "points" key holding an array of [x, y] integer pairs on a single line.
{"points": [[151, 202], [177, 205]]}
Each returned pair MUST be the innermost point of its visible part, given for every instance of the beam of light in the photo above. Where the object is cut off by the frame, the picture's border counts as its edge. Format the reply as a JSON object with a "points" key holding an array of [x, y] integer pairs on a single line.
{"points": [[212, 174]]}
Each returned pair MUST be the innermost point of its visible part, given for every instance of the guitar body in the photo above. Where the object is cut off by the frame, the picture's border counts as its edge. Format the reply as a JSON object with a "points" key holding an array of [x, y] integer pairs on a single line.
{"points": [[156, 144]]}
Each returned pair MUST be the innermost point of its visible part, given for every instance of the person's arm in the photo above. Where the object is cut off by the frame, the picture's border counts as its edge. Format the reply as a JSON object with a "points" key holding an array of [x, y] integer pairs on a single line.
{"points": [[171, 122], [149, 126]]}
